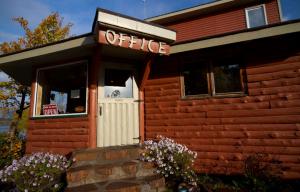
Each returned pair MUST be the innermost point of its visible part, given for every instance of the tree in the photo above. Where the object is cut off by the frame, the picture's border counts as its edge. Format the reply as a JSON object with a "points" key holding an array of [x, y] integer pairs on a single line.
{"points": [[51, 29]]}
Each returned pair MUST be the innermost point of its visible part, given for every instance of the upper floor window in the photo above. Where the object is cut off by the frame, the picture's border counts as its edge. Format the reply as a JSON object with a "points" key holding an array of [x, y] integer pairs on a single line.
{"points": [[218, 78], [256, 16], [61, 90]]}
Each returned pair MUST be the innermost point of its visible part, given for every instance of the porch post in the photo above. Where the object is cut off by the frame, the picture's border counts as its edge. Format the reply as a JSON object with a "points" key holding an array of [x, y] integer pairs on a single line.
{"points": [[93, 79], [28, 147], [145, 76]]}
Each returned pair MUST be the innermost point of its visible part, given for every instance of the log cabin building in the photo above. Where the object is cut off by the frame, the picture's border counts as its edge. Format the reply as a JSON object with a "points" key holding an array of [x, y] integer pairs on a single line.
{"points": [[222, 78]]}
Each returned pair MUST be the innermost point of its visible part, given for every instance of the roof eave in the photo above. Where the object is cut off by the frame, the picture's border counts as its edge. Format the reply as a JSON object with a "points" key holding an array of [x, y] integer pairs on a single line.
{"points": [[19, 65], [198, 10], [238, 37]]}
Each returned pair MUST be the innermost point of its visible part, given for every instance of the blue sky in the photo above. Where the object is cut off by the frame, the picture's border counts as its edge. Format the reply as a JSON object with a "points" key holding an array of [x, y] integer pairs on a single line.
{"points": [[81, 12]]}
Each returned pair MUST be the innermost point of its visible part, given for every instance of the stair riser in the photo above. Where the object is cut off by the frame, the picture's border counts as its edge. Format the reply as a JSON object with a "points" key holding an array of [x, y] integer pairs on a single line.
{"points": [[156, 184], [104, 173], [107, 155]]}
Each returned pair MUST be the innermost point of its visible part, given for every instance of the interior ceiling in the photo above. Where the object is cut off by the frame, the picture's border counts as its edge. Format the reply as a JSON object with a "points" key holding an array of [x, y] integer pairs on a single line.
{"points": [[22, 72]]}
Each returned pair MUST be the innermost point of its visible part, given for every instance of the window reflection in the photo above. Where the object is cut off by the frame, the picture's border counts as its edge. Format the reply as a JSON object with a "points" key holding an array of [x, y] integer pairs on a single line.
{"points": [[256, 17], [227, 78], [118, 83], [61, 90], [195, 79]]}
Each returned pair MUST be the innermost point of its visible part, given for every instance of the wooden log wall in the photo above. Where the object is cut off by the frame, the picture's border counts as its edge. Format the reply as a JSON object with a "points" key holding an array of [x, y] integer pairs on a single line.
{"points": [[57, 135], [225, 131]]}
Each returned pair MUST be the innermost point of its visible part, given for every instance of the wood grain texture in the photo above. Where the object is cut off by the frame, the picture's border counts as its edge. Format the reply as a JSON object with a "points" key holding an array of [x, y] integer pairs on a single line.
{"points": [[225, 131], [220, 22], [61, 135]]}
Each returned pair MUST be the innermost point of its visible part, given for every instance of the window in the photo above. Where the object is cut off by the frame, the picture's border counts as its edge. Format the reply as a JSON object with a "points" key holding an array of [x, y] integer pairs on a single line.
{"points": [[195, 78], [256, 16], [118, 83], [218, 78], [61, 90]]}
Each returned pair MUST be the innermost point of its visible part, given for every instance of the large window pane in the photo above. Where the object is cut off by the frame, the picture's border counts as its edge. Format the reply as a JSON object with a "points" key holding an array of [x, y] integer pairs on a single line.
{"points": [[118, 83], [256, 17], [227, 78], [195, 79], [62, 90]]}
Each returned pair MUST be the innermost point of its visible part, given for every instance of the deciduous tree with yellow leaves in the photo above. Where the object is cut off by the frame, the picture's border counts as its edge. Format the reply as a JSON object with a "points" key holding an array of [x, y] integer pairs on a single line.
{"points": [[51, 29]]}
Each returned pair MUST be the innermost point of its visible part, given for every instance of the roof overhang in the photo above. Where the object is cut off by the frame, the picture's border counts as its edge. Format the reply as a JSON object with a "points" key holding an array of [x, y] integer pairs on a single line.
{"points": [[248, 35], [200, 10], [19, 65], [134, 26]]}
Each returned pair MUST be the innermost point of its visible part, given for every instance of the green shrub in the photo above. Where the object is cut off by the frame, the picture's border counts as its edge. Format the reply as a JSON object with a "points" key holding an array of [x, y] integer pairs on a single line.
{"points": [[36, 172], [11, 147]]}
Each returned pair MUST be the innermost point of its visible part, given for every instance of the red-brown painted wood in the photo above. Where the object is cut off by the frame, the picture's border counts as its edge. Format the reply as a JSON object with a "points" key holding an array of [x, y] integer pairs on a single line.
{"points": [[224, 131], [60, 135], [220, 22]]}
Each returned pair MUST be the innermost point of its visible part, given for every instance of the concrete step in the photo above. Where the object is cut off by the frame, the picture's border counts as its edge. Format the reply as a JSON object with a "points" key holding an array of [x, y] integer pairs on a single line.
{"points": [[99, 172], [136, 184], [106, 155]]}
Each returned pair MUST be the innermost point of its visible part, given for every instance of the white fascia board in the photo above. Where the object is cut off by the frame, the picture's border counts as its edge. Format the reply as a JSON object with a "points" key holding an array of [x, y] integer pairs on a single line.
{"points": [[83, 41], [135, 25]]}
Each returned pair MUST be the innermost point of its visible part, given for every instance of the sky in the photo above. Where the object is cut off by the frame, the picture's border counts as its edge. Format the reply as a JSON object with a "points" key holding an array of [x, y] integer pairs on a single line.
{"points": [[81, 12]]}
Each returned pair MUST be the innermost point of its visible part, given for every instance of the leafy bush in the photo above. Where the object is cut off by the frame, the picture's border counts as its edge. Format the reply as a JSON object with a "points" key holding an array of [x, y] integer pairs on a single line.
{"points": [[174, 161], [11, 147], [259, 175], [36, 172]]}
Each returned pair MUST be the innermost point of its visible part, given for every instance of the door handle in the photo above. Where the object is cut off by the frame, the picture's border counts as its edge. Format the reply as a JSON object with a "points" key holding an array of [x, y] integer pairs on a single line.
{"points": [[138, 100], [139, 137], [100, 110]]}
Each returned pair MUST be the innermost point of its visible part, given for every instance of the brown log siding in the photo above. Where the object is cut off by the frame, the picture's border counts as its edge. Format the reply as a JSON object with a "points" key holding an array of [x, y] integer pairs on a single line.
{"points": [[224, 131], [220, 22], [58, 135]]}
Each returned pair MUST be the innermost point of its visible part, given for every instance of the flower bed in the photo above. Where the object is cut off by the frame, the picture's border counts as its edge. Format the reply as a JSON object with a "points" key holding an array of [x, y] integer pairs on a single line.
{"points": [[36, 172], [174, 161]]}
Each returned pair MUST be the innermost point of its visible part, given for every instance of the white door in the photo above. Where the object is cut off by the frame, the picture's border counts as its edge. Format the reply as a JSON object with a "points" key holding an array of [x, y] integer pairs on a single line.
{"points": [[118, 107]]}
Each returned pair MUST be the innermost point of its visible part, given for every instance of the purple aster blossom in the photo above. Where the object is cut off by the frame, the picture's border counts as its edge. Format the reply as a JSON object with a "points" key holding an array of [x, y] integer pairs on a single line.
{"points": [[170, 158], [35, 170]]}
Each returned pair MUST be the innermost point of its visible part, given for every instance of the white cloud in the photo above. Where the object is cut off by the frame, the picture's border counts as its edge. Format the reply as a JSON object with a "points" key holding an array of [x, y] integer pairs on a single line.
{"points": [[32, 10]]}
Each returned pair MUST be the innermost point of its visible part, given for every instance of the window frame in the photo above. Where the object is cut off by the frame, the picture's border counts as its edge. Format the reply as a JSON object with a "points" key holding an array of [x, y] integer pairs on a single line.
{"points": [[34, 115], [263, 6], [211, 85]]}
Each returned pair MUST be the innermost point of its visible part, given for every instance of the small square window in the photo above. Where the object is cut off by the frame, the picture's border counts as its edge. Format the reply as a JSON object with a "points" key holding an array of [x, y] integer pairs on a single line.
{"points": [[118, 83], [256, 16]]}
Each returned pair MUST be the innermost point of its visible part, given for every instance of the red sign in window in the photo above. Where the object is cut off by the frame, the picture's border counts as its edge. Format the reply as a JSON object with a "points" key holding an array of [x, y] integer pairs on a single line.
{"points": [[50, 109]]}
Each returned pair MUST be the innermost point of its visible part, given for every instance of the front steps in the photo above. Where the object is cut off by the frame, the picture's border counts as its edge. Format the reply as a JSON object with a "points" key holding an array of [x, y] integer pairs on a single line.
{"points": [[112, 169]]}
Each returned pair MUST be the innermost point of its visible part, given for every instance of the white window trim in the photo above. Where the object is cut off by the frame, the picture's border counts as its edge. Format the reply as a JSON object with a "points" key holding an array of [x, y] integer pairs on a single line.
{"points": [[280, 10], [36, 87], [252, 8]]}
